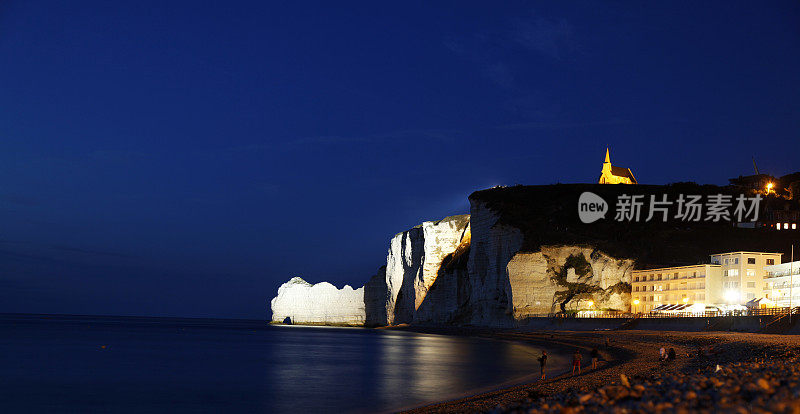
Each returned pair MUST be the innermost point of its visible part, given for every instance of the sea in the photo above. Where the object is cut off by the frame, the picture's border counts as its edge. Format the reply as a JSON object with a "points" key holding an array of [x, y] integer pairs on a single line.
{"points": [[90, 364]]}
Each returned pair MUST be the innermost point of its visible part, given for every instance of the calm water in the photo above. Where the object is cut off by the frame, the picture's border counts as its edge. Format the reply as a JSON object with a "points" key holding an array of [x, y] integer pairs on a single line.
{"points": [[188, 365]]}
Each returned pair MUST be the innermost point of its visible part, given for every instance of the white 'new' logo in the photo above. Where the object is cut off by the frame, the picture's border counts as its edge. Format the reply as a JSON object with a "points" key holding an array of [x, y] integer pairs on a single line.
{"points": [[591, 207]]}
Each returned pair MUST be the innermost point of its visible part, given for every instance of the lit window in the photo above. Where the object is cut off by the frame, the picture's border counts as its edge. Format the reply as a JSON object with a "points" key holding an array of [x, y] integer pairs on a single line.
{"points": [[794, 226], [786, 226], [751, 272]]}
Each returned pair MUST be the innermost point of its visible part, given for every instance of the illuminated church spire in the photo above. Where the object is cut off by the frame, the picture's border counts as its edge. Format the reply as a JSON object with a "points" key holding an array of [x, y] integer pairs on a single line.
{"points": [[615, 175]]}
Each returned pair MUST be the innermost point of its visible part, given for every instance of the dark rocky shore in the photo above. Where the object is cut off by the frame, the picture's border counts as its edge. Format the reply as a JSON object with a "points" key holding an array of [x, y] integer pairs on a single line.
{"points": [[757, 373]]}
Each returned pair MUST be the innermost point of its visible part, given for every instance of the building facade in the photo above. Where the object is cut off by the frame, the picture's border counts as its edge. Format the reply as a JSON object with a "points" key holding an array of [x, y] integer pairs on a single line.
{"points": [[683, 285], [782, 284], [743, 274], [733, 278]]}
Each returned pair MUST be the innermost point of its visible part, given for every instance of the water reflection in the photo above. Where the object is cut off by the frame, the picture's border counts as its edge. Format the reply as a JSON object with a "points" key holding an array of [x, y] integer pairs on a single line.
{"points": [[424, 368], [369, 370], [177, 367]]}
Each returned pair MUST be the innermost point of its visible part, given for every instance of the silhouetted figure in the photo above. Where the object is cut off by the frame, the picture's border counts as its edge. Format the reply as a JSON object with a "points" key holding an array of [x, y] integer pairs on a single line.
{"points": [[671, 354], [543, 362], [595, 355], [576, 362]]}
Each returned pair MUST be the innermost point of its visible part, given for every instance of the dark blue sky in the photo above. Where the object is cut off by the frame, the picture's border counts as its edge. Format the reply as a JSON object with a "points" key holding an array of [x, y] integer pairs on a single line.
{"points": [[185, 158]]}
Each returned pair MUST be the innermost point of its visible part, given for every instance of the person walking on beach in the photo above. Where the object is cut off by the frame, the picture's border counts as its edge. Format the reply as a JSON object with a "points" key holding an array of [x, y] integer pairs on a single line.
{"points": [[595, 355], [576, 362], [543, 362], [662, 354]]}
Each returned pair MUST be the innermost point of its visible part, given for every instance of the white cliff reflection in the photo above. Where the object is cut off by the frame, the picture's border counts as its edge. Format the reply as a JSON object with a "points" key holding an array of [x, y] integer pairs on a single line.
{"points": [[360, 370]]}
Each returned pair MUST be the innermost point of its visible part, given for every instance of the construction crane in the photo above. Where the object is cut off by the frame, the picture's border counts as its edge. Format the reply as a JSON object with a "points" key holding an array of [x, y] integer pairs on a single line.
{"points": [[755, 167]]}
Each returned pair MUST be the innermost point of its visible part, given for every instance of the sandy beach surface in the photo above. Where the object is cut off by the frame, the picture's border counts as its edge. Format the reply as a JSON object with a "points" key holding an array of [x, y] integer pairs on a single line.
{"points": [[735, 372]]}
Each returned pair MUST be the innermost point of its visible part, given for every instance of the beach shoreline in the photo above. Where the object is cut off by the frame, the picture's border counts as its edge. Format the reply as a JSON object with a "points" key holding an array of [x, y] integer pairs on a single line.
{"points": [[558, 362], [651, 384]]}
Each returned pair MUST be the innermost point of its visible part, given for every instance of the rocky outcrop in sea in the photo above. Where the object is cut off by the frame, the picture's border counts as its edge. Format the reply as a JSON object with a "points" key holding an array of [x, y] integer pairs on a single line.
{"points": [[300, 302]]}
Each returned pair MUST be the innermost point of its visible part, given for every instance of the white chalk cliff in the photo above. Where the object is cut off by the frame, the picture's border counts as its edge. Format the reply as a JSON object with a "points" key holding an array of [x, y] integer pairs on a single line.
{"points": [[414, 261], [464, 270], [299, 302], [572, 275]]}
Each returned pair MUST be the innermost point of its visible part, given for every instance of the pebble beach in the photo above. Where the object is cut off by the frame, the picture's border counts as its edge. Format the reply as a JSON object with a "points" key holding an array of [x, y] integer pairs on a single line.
{"points": [[713, 372]]}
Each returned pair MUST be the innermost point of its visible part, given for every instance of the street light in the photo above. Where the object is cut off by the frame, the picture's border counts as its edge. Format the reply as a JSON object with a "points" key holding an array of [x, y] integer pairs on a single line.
{"points": [[769, 187], [685, 300]]}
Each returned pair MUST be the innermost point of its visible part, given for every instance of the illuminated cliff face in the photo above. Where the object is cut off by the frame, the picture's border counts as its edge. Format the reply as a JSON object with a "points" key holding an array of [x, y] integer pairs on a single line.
{"points": [[463, 270], [560, 278], [299, 302], [500, 285], [413, 264], [393, 295]]}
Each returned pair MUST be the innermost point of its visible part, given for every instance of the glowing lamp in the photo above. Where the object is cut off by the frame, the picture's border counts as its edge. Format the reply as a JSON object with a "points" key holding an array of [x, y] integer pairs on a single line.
{"points": [[685, 300], [769, 186], [589, 303], [731, 296], [636, 301]]}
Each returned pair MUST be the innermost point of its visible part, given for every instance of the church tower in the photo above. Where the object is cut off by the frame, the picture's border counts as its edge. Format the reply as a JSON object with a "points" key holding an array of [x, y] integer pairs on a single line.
{"points": [[615, 175]]}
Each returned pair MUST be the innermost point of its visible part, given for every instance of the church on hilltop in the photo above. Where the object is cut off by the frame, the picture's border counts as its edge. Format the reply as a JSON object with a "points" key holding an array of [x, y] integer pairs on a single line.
{"points": [[615, 175]]}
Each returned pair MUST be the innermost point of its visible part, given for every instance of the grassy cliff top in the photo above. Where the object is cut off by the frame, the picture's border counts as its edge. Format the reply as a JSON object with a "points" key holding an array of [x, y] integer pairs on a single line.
{"points": [[548, 215]]}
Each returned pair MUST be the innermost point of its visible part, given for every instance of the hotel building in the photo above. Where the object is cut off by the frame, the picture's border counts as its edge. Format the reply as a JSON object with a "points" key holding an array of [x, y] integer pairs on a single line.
{"points": [[781, 282], [730, 278], [683, 285], [743, 274]]}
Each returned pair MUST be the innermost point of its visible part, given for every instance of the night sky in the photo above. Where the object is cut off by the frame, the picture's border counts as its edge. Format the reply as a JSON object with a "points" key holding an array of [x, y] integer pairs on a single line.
{"points": [[184, 158]]}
